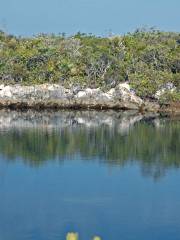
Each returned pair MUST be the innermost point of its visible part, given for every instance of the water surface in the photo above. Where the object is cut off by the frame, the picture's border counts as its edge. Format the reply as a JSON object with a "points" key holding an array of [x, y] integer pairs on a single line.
{"points": [[112, 174]]}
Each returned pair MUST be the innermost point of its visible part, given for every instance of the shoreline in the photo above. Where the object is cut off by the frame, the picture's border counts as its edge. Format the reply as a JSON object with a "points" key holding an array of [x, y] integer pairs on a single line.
{"points": [[56, 97]]}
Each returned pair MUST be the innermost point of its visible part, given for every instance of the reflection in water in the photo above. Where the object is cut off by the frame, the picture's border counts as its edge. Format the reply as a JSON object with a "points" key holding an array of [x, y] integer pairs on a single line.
{"points": [[108, 137], [79, 172]]}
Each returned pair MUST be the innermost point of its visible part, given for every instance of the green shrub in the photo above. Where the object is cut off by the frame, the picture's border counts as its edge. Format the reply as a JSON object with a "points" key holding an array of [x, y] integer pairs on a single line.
{"points": [[146, 58], [170, 96]]}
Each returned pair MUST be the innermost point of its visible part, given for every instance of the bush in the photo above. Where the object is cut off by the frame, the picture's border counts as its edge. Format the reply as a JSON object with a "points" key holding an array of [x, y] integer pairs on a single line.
{"points": [[146, 58]]}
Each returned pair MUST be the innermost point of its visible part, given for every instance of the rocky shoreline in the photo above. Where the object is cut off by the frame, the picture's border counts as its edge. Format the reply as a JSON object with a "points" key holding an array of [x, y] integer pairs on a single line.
{"points": [[55, 96]]}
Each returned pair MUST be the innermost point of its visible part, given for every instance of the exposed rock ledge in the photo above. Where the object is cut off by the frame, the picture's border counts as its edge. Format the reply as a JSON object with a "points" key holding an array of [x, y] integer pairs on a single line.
{"points": [[56, 96]]}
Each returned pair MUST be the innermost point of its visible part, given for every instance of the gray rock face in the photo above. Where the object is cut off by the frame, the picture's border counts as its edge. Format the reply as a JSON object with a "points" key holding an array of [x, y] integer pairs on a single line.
{"points": [[167, 88], [54, 95]]}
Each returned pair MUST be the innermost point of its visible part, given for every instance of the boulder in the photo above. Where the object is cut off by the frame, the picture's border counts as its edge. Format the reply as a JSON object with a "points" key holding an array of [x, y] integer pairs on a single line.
{"points": [[168, 87]]}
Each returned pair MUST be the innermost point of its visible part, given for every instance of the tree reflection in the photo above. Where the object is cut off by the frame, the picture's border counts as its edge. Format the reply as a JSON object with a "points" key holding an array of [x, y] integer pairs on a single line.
{"points": [[154, 145]]}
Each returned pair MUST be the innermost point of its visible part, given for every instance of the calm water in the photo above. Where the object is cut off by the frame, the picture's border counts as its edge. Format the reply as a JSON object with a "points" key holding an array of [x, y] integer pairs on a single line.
{"points": [[112, 174]]}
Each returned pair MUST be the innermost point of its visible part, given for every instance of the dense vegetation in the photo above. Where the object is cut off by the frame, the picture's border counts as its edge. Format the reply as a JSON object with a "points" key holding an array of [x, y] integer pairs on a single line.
{"points": [[155, 149], [148, 59]]}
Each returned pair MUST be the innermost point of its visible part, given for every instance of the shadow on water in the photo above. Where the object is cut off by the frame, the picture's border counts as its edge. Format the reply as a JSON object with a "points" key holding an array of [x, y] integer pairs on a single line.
{"points": [[111, 138]]}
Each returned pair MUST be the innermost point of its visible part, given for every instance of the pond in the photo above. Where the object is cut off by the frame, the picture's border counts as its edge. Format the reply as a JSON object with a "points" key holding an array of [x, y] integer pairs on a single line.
{"points": [[113, 174]]}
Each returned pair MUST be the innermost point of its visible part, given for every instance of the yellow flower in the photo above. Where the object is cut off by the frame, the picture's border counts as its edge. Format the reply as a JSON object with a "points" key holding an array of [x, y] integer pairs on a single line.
{"points": [[72, 236]]}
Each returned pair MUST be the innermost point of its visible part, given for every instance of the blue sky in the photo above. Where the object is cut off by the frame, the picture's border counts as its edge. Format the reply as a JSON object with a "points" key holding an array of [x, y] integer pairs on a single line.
{"points": [[28, 17]]}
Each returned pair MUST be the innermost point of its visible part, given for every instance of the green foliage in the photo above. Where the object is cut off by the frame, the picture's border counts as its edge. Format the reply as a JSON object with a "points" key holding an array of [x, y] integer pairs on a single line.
{"points": [[170, 96], [148, 59]]}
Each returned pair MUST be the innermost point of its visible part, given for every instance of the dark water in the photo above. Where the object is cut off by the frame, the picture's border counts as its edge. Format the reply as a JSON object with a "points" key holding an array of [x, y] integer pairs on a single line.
{"points": [[116, 175]]}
